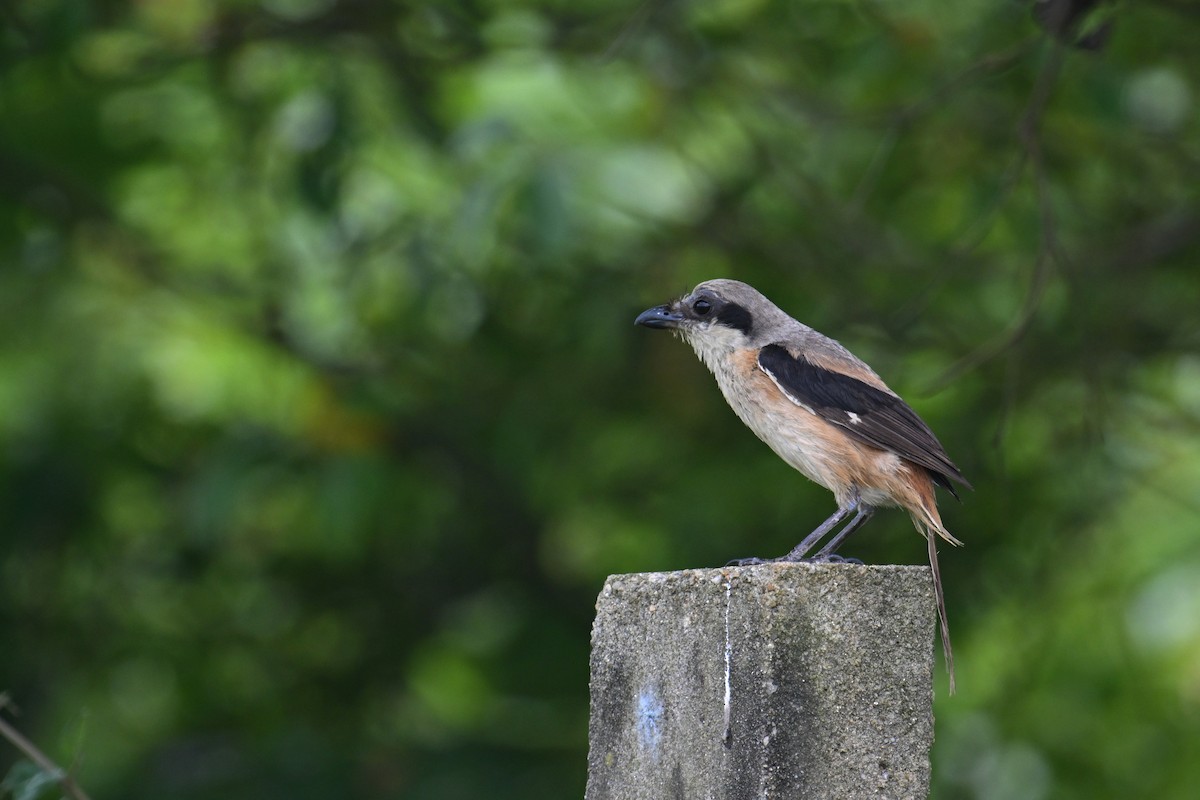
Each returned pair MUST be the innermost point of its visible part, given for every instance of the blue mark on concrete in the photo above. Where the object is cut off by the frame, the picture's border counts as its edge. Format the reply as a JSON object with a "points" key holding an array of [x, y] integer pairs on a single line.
{"points": [[649, 719]]}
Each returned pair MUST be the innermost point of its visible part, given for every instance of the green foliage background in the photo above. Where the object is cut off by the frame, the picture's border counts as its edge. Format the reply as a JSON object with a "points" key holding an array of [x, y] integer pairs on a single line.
{"points": [[323, 417]]}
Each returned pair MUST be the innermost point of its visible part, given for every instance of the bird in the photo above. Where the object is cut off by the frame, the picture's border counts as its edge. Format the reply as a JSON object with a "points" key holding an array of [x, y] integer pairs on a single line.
{"points": [[824, 412]]}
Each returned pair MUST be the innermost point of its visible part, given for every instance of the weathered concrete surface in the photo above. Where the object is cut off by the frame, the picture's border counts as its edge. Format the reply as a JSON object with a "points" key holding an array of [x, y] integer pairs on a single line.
{"points": [[772, 681]]}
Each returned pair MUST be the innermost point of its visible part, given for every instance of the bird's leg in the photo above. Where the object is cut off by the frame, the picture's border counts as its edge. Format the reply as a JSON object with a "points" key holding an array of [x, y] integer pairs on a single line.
{"points": [[801, 550], [827, 552]]}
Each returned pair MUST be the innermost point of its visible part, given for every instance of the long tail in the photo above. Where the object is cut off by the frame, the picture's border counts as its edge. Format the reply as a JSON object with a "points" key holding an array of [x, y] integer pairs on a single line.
{"points": [[928, 522], [941, 605]]}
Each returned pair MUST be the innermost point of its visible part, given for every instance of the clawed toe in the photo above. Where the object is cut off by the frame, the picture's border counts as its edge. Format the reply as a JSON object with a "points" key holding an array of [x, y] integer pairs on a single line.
{"points": [[750, 562], [833, 558]]}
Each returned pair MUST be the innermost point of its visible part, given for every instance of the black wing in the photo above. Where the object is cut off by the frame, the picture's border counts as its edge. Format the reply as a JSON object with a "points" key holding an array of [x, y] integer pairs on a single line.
{"points": [[868, 414]]}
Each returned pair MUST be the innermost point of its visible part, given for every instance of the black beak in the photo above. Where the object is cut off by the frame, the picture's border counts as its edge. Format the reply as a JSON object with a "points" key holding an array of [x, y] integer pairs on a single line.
{"points": [[659, 317]]}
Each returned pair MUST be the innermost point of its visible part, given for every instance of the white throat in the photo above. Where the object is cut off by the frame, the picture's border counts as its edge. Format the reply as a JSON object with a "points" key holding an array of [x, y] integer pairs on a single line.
{"points": [[714, 343]]}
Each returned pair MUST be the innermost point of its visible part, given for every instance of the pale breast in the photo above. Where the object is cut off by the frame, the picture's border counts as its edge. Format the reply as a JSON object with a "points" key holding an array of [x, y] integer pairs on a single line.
{"points": [[795, 434], [806, 442]]}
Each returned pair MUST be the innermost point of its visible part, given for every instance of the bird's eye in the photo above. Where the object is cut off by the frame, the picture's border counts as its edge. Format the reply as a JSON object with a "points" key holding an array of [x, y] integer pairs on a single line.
{"points": [[702, 307]]}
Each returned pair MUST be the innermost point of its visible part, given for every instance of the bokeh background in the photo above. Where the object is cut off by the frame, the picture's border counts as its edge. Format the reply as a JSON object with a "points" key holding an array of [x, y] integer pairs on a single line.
{"points": [[323, 417]]}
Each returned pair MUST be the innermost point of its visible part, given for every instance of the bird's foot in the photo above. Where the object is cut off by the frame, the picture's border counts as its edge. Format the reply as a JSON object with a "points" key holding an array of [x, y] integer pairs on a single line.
{"points": [[750, 562], [832, 558]]}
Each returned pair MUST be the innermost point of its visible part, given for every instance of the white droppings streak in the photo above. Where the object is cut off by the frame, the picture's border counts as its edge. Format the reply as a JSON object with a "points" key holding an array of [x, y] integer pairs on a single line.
{"points": [[728, 659]]}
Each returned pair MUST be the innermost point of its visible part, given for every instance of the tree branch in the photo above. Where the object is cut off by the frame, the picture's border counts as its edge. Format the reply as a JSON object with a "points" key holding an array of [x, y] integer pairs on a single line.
{"points": [[1049, 251], [31, 751]]}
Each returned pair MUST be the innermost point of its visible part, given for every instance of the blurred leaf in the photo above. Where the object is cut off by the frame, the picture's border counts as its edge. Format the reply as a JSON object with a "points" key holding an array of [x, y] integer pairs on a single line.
{"points": [[27, 781]]}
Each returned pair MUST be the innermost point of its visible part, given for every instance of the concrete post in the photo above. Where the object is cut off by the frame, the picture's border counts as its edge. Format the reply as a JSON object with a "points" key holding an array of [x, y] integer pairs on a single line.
{"points": [[774, 681]]}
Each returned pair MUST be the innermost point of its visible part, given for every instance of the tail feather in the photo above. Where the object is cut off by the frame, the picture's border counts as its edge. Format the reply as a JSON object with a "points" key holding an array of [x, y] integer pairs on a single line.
{"points": [[922, 507], [941, 605]]}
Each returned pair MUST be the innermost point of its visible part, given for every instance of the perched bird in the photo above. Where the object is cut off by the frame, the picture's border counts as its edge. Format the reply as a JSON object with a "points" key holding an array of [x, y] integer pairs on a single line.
{"points": [[823, 411]]}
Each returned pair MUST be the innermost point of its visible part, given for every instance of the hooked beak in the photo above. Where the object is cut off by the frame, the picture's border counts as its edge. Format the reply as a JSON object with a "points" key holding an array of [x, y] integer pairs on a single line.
{"points": [[659, 317]]}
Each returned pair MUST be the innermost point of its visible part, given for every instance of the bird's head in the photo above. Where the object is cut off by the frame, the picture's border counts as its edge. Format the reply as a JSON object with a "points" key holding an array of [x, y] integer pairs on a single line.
{"points": [[721, 303], [717, 317]]}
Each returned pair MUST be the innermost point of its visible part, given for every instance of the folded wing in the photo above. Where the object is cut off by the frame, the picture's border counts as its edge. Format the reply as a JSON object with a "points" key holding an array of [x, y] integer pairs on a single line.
{"points": [[871, 415]]}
